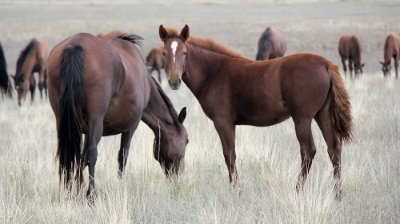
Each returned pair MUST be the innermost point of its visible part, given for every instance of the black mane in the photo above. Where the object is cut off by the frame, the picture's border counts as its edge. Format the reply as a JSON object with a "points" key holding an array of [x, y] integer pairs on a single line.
{"points": [[167, 101], [264, 43], [22, 56]]}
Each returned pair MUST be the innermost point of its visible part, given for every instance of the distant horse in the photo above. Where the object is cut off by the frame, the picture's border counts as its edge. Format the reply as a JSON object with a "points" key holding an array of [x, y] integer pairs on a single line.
{"points": [[350, 49], [233, 90], [272, 44], [155, 60], [100, 86], [33, 58], [5, 83], [391, 49]]}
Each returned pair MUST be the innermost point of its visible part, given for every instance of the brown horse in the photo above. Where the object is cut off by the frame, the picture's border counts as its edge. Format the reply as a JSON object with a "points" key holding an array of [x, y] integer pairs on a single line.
{"points": [[233, 90], [5, 83], [350, 49], [391, 49], [155, 60], [100, 86], [272, 44], [33, 58]]}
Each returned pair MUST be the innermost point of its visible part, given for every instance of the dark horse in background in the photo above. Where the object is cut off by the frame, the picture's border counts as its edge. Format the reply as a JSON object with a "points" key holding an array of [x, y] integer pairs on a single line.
{"points": [[155, 60], [100, 86], [391, 50], [5, 83], [350, 49], [33, 58], [272, 44], [233, 90]]}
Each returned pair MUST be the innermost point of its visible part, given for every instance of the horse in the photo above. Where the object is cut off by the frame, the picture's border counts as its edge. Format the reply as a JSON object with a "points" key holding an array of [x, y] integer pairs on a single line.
{"points": [[272, 44], [350, 49], [100, 86], [5, 83], [391, 49], [33, 58], [233, 90], [155, 60]]}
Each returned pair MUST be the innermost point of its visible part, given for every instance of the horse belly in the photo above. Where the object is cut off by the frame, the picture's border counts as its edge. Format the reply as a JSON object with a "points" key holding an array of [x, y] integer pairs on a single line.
{"points": [[263, 115], [120, 118]]}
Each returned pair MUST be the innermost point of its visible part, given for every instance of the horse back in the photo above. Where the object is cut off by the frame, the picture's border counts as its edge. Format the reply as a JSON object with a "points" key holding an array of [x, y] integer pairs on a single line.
{"points": [[350, 47], [392, 45]]}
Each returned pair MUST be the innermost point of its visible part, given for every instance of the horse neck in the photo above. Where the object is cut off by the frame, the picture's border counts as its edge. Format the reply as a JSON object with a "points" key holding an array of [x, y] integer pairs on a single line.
{"points": [[27, 66], [156, 114], [200, 66]]}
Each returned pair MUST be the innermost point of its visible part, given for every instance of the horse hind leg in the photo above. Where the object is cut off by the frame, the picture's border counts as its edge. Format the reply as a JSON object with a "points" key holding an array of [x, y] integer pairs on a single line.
{"points": [[307, 149], [396, 65], [32, 88], [95, 133], [324, 121]]}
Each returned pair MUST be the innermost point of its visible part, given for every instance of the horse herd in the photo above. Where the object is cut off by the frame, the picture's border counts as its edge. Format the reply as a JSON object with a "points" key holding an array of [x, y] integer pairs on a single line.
{"points": [[101, 85]]}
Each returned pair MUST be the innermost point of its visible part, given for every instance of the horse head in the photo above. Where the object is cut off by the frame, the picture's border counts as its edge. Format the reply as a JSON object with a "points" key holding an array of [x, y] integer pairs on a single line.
{"points": [[170, 146], [358, 68], [174, 53], [21, 86], [386, 68]]}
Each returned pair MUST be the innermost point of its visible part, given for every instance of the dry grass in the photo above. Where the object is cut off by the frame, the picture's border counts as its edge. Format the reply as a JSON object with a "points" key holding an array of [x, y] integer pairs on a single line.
{"points": [[268, 163], [268, 158]]}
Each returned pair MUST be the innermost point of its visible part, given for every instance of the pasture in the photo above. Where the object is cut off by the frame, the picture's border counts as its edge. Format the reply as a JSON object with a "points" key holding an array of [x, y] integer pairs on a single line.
{"points": [[268, 159]]}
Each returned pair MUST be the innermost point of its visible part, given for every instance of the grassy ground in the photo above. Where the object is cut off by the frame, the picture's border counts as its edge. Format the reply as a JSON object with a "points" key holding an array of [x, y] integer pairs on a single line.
{"points": [[268, 158]]}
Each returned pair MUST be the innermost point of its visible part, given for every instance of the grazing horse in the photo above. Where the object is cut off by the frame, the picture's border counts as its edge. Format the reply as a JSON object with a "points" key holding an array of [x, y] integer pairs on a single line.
{"points": [[233, 90], [272, 44], [5, 83], [391, 49], [350, 49], [33, 58], [100, 86], [155, 60]]}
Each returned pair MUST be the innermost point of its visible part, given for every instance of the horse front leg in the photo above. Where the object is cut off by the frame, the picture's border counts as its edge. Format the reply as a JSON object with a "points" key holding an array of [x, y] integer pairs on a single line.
{"points": [[42, 82], [226, 132], [396, 65], [123, 153], [32, 87], [344, 66]]}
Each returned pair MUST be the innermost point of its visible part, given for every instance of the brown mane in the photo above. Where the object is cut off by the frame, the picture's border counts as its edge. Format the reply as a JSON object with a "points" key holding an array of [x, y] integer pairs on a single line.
{"points": [[207, 43]]}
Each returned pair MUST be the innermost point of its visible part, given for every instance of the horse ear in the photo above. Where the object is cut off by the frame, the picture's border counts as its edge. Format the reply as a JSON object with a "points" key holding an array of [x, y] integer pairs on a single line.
{"points": [[383, 63], [163, 33], [185, 32], [182, 115], [363, 65]]}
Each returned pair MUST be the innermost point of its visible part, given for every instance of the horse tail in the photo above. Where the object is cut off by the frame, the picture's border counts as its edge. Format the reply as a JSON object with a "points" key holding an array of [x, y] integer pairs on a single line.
{"points": [[71, 111], [341, 107], [5, 82], [264, 44]]}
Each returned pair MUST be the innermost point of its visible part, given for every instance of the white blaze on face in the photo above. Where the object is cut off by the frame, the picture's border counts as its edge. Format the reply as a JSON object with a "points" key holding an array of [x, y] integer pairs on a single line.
{"points": [[174, 45]]}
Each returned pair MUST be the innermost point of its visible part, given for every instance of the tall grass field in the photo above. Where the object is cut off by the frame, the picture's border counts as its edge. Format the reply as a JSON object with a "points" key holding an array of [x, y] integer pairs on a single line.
{"points": [[268, 163]]}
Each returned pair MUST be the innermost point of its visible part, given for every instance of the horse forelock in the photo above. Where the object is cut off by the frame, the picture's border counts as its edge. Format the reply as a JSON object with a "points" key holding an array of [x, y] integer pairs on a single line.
{"points": [[22, 57], [214, 46], [169, 104]]}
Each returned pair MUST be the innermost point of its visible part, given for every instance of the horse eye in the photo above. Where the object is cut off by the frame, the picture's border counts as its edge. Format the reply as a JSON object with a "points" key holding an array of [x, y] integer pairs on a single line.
{"points": [[187, 141], [184, 53], [165, 54]]}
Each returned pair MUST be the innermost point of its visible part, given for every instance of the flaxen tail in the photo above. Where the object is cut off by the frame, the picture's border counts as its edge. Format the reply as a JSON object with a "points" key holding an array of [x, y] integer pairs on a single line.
{"points": [[341, 107], [71, 102]]}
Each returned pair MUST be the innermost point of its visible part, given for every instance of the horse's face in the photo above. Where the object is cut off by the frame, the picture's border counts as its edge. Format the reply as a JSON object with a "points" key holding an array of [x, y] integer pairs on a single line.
{"points": [[170, 146], [358, 68], [386, 68], [174, 53], [21, 86]]}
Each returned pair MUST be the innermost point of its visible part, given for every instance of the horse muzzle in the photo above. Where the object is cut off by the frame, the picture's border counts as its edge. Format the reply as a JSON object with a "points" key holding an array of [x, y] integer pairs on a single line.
{"points": [[174, 85]]}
